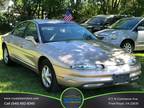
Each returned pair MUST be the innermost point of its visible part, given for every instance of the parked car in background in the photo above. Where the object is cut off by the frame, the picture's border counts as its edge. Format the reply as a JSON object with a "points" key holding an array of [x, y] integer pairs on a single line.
{"points": [[67, 54], [127, 33], [101, 22]]}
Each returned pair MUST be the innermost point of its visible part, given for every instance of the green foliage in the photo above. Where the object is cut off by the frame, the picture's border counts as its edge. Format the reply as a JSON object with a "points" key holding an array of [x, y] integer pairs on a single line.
{"points": [[86, 11], [53, 8], [4, 23], [29, 9]]}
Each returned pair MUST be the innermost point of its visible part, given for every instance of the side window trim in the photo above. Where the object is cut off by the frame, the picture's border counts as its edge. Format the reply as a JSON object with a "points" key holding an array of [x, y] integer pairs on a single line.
{"points": [[36, 30], [12, 33], [135, 28], [26, 28]]}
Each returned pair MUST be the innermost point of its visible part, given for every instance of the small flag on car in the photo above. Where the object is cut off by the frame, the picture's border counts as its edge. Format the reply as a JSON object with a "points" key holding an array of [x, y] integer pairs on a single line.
{"points": [[68, 16]]}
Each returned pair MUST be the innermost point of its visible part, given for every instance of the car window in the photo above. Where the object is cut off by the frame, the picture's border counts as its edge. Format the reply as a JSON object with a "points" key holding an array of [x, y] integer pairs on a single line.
{"points": [[96, 20], [19, 30], [141, 24], [64, 32], [126, 23], [31, 30], [109, 21]]}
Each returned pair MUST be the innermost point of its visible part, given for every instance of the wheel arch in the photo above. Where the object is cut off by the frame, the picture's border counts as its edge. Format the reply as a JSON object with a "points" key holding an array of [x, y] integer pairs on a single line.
{"points": [[3, 45], [129, 40], [40, 61]]}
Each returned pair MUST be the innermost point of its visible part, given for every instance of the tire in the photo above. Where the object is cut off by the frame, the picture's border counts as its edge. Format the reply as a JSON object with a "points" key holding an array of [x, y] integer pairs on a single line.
{"points": [[128, 46], [6, 57], [48, 77]]}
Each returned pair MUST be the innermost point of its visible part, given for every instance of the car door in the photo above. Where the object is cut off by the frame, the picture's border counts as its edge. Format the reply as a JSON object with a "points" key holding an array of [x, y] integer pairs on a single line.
{"points": [[29, 49], [140, 36], [16, 40]]}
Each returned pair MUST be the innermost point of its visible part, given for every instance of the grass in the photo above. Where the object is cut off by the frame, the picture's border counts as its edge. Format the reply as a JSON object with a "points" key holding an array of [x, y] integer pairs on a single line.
{"points": [[19, 79], [0, 50]]}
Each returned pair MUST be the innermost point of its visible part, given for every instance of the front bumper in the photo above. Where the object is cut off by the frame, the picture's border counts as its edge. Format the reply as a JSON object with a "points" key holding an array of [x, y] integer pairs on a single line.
{"points": [[92, 79]]}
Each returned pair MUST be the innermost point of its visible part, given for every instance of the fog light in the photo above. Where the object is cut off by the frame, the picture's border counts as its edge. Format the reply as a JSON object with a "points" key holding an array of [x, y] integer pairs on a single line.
{"points": [[93, 85], [135, 74], [135, 78]]}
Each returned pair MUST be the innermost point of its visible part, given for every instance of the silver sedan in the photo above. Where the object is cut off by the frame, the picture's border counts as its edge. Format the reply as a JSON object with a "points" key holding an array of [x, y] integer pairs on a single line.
{"points": [[127, 33], [64, 53]]}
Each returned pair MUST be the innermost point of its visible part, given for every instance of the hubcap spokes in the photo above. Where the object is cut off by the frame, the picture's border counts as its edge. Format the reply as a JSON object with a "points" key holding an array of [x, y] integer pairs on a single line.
{"points": [[128, 47], [5, 55], [46, 76]]}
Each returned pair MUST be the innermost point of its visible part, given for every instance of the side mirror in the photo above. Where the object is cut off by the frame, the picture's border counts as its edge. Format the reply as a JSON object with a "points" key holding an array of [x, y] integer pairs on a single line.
{"points": [[31, 38], [140, 28]]}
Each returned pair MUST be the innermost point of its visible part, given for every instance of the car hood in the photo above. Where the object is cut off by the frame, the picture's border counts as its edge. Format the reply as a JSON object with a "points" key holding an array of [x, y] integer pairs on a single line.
{"points": [[109, 32], [79, 52]]}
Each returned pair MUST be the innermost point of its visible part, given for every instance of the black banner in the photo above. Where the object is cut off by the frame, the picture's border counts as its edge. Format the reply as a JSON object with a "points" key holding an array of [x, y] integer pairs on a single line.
{"points": [[27, 101], [120, 100]]}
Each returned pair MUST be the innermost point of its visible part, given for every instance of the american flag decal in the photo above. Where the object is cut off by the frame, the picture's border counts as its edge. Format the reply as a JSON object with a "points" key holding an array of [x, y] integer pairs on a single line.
{"points": [[68, 16]]}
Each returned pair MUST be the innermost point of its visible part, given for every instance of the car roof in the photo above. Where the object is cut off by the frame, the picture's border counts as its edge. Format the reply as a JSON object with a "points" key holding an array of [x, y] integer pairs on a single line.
{"points": [[113, 16], [51, 21], [106, 16], [138, 18]]}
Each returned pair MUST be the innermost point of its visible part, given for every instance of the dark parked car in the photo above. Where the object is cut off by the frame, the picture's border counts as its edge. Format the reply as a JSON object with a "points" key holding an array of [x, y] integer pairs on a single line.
{"points": [[101, 22]]}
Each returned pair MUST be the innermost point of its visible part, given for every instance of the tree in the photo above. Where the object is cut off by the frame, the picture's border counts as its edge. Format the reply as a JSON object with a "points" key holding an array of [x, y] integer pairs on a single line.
{"points": [[1, 2], [81, 9], [53, 8], [108, 6], [26, 8]]}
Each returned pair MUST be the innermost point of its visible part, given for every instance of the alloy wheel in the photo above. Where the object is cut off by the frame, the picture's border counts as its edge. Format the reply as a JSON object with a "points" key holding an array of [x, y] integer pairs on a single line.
{"points": [[46, 76], [128, 47], [5, 56]]}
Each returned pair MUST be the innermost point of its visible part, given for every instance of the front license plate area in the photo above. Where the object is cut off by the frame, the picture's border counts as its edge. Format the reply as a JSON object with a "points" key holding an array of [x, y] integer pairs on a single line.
{"points": [[120, 79]]}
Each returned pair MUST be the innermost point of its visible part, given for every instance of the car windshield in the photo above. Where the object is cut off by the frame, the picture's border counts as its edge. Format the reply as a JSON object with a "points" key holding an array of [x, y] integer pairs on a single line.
{"points": [[96, 20], [64, 32], [125, 24]]}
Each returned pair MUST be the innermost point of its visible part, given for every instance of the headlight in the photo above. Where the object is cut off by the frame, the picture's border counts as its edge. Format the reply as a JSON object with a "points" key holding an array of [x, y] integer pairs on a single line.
{"points": [[132, 61], [97, 67]]}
